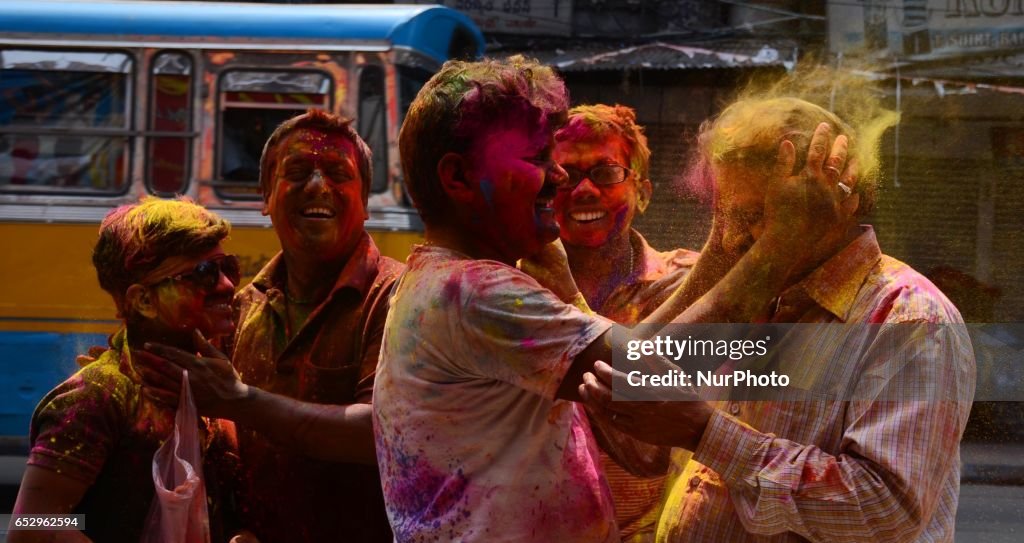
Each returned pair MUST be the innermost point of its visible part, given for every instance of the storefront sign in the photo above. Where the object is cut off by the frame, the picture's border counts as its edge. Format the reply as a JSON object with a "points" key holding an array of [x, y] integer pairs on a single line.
{"points": [[922, 29]]}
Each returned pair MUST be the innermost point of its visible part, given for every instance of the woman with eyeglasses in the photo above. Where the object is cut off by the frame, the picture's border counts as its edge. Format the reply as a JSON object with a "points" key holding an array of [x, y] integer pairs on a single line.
{"points": [[94, 435]]}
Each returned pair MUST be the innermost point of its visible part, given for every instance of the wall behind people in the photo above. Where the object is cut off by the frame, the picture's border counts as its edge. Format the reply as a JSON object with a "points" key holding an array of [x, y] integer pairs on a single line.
{"points": [[955, 196]]}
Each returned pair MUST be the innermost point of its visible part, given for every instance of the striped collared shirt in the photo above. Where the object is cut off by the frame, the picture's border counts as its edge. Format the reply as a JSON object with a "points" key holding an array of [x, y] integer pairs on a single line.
{"points": [[863, 469]]}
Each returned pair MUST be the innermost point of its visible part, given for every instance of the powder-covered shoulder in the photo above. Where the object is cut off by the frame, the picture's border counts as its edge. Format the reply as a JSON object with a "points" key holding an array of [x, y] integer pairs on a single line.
{"points": [[77, 425], [99, 386], [446, 279], [680, 258], [486, 277], [908, 296]]}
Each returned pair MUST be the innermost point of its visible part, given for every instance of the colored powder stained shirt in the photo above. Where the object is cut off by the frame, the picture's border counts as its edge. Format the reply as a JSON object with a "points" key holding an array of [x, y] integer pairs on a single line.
{"points": [[289, 497], [98, 428], [880, 465], [658, 274], [472, 444]]}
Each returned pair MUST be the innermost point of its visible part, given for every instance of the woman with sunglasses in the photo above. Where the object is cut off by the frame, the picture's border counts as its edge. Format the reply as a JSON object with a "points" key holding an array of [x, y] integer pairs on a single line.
{"points": [[94, 435]]}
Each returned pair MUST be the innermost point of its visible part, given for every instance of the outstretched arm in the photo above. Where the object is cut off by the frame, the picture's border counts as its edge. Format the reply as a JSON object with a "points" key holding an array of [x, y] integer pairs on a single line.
{"points": [[339, 433]]}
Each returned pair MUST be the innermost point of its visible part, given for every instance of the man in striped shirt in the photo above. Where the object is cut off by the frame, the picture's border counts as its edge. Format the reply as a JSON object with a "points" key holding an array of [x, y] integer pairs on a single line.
{"points": [[874, 459]]}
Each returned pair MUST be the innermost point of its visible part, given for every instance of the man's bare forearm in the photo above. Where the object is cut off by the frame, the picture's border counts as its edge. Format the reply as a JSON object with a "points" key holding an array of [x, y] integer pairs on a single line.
{"points": [[338, 433], [743, 295], [706, 273]]}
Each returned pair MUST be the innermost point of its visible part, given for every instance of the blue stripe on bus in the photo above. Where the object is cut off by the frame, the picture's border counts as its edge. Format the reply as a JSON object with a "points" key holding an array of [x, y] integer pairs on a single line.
{"points": [[61, 319], [31, 364], [426, 28]]}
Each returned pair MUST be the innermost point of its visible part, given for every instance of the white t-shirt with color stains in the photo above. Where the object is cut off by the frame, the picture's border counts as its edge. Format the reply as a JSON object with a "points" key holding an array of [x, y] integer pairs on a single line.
{"points": [[471, 442]]}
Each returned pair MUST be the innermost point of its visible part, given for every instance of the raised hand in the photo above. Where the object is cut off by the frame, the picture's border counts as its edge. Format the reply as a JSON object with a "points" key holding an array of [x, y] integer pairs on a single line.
{"points": [[550, 267], [672, 423], [801, 209], [216, 386]]}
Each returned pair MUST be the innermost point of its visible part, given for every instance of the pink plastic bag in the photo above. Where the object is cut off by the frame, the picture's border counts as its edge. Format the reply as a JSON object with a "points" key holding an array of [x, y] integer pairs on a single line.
{"points": [[178, 513]]}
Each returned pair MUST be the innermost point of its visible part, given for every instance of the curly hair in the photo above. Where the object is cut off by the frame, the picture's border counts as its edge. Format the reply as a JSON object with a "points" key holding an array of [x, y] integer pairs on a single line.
{"points": [[600, 120], [462, 101], [323, 121], [135, 239]]}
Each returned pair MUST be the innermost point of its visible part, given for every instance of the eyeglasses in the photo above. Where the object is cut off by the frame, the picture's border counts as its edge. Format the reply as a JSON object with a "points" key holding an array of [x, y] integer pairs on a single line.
{"points": [[206, 274], [600, 175]]}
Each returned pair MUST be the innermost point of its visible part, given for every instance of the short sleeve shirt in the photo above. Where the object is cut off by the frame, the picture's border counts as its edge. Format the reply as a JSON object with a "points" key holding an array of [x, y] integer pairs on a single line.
{"points": [[472, 444], [97, 428]]}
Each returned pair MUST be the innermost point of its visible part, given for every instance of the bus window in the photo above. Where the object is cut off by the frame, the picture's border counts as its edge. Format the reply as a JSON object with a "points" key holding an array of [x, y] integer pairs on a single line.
{"points": [[64, 121], [372, 123], [170, 113], [252, 104], [410, 81]]}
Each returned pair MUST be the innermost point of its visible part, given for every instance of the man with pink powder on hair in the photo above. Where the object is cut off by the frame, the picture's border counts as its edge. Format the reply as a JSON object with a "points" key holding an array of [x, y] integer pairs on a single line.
{"points": [[476, 440]]}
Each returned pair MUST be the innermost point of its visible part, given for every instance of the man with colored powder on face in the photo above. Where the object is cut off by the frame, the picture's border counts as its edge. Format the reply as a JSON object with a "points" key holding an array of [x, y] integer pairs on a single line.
{"points": [[94, 436], [306, 349], [475, 438], [605, 154], [873, 455]]}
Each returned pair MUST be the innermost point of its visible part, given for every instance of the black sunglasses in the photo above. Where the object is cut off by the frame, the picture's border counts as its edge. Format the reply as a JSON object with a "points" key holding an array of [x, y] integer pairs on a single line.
{"points": [[600, 175], [206, 274]]}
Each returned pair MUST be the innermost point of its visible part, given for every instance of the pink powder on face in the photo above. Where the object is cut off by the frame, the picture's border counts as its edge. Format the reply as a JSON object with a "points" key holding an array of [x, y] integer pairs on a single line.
{"points": [[481, 113], [317, 141]]}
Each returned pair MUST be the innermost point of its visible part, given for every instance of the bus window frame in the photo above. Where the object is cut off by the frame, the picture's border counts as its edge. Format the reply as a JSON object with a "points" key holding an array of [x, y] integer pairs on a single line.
{"points": [[130, 132], [400, 74], [191, 134], [218, 183], [385, 150]]}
